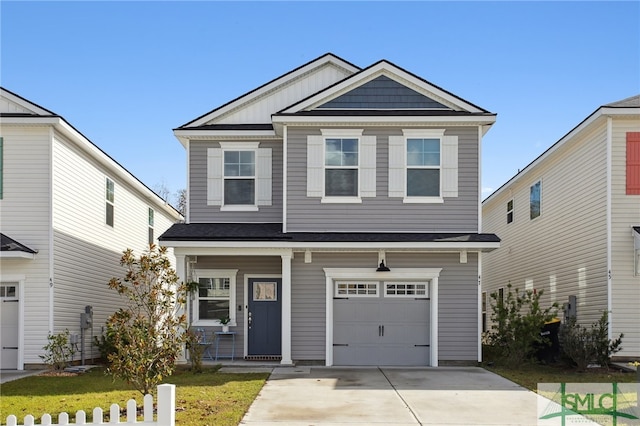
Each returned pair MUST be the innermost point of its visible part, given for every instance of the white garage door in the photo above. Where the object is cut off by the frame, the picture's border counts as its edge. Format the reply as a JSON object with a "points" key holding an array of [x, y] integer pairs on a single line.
{"points": [[9, 325], [381, 323]]}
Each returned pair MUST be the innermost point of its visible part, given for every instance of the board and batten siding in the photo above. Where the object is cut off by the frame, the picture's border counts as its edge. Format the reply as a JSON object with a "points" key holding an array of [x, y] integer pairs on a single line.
{"points": [[24, 213], [87, 251], [459, 214], [625, 211], [200, 212], [562, 252], [287, 94]]}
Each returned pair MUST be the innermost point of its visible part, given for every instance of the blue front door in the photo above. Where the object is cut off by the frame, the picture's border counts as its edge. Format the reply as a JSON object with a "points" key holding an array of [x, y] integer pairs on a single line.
{"points": [[265, 317]]}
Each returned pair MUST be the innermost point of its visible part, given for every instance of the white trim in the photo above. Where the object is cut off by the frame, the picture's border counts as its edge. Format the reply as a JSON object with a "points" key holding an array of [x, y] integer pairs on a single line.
{"points": [[232, 275], [405, 296], [17, 255], [285, 180], [286, 310], [479, 177], [239, 146], [609, 219], [51, 220], [342, 133], [418, 120], [239, 208], [399, 274], [355, 295], [423, 133], [480, 311]]}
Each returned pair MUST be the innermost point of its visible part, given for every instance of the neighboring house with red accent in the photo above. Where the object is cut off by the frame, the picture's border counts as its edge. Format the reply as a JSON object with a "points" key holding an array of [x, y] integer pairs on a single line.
{"points": [[333, 214], [570, 224], [67, 212]]}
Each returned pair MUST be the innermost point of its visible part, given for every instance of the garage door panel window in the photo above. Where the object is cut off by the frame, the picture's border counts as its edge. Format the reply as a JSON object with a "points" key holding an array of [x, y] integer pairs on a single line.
{"points": [[353, 288], [406, 289]]}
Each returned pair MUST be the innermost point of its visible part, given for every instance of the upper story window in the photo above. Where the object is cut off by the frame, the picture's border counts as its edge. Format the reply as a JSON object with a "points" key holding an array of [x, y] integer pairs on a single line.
{"points": [[110, 199], [535, 196], [239, 176], [1, 166], [633, 163], [510, 211], [341, 165], [151, 221], [423, 166]]}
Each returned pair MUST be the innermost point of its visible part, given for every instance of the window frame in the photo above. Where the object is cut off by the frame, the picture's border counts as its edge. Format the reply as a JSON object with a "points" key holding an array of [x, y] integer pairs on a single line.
{"points": [[423, 134], [110, 202], [510, 212], [151, 220], [229, 274], [426, 284], [240, 147], [375, 285], [341, 134], [532, 215]]}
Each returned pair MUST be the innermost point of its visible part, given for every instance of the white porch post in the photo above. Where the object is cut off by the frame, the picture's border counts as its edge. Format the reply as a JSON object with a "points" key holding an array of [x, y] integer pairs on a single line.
{"points": [[286, 309], [182, 277]]}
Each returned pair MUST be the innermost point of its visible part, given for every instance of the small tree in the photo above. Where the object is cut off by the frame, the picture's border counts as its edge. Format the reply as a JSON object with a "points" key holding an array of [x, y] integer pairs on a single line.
{"points": [[148, 335], [58, 352], [517, 323]]}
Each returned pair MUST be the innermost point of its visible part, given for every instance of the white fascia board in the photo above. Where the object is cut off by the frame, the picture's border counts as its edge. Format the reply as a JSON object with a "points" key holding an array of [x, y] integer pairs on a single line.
{"points": [[391, 71], [65, 129], [629, 111], [25, 104], [224, 246], [217, 134], [299, 120], [16, 255], [273, 85]]}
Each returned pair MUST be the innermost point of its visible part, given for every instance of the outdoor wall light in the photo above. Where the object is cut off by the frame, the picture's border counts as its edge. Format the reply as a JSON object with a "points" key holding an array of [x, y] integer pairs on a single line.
{"points": [[382, 267]]}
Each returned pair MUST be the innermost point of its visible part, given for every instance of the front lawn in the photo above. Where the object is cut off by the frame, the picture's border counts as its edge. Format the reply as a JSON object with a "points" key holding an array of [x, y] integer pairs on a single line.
{"points": [[208, 398], [529, 375]]}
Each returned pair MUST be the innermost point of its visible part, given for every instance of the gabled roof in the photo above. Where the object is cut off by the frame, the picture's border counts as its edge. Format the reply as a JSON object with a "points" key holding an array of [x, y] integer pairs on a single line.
{"points": [[279, 82], [13, 249], [628, 107], [16, 110], [393, 72]]}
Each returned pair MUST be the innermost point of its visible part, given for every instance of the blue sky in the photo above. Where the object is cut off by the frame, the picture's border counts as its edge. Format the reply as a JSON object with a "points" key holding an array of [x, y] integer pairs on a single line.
{"points": [[126, 73]]}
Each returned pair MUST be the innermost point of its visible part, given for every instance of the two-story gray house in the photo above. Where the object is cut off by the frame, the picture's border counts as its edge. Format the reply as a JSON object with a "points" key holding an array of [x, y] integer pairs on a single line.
{"points": [[334, 215]]}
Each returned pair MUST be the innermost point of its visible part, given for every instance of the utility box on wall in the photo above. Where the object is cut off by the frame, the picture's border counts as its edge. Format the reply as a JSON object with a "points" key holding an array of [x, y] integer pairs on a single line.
{"points": [[570, 308]]}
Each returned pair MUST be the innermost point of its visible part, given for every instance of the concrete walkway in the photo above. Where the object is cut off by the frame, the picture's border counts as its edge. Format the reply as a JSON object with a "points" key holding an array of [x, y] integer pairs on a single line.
{"points": [[391, 396]]}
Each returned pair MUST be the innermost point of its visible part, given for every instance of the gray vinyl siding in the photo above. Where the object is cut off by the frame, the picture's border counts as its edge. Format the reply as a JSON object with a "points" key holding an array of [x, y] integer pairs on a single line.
{"points": [[246, 265], [200, 212], [382, 92], [459, 214]]}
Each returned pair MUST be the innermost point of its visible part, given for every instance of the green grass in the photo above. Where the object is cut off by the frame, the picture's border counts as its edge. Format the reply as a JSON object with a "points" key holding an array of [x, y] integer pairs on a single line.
{"points": [[208, 398], [529, 375]]}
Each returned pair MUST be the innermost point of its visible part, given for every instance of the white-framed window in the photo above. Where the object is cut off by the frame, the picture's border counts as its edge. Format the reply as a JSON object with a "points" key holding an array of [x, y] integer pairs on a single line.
{"points": [[535, 200], [509, 211], [239, 176], [216, 296], [357, 288], [341, 165], [406, 289], [423, 166], [110, 200], [151, 224]]}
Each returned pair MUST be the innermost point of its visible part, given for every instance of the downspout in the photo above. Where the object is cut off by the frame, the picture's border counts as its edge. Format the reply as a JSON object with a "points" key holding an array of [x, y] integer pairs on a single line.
{"points": [[51, 269], [284, 178], [480, 252], [609, 244], [187, 198]]}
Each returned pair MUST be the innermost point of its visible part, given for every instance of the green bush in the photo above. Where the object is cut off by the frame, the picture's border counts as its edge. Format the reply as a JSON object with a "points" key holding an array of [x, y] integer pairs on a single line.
{"points": [[584, 346], [196, 350], [517, 321], [58, 352]]}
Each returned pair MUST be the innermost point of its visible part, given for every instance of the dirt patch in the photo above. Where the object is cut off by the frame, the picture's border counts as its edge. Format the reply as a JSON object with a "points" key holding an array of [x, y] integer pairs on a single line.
{"points": [[58, 374]]}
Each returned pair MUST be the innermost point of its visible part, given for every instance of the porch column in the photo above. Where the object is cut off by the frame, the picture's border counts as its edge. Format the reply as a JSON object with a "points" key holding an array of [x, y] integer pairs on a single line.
{"points": [[286, 310], [182, 277]]}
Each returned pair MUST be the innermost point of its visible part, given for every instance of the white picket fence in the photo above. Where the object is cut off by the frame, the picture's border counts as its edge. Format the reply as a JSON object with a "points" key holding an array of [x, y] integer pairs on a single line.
{"points": [[166, 415]]}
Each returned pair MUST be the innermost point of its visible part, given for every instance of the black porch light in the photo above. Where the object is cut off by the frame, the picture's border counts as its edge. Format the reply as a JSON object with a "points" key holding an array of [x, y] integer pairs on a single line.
{"points": [[382, 267]]}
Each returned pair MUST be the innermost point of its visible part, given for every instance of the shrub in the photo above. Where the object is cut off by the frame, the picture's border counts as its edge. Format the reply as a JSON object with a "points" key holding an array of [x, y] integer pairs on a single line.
{"points": [[584, 346], [58, 352], [105, 344], [196, 350], [517, 323], [148, 334]]}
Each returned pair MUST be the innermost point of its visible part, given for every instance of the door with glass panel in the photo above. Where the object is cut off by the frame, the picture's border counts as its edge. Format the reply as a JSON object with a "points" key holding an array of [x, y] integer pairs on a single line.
{"points": [[264, 318]]}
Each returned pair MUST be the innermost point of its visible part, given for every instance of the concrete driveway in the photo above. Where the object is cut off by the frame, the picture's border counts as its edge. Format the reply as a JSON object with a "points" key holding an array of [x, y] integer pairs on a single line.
{"points": [[391, 396]]}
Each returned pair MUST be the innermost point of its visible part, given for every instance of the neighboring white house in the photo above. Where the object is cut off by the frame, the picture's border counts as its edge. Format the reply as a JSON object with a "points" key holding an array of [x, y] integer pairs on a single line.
{"points": [[570, 223], [67, 211]]}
